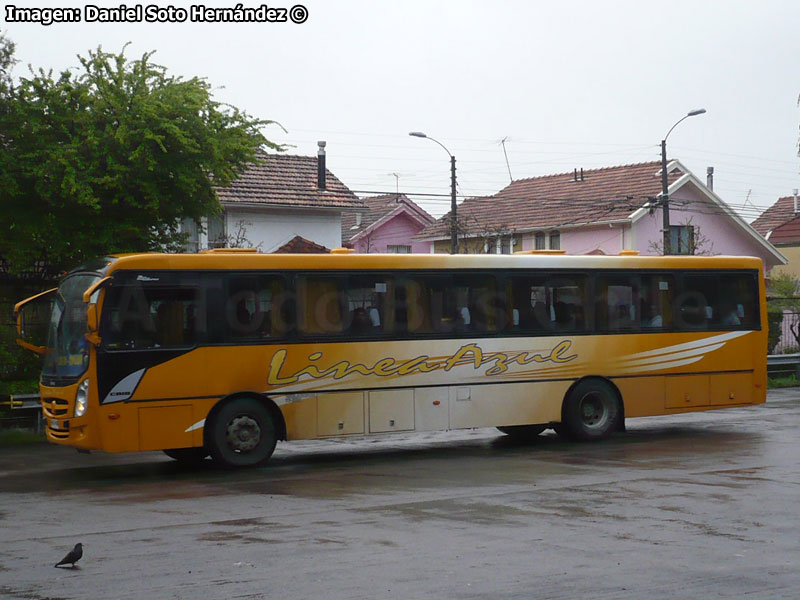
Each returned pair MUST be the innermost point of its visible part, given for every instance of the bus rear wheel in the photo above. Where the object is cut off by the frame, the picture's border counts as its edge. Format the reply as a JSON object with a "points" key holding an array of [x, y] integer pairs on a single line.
{"points": [[242, 434], [591, 411]]}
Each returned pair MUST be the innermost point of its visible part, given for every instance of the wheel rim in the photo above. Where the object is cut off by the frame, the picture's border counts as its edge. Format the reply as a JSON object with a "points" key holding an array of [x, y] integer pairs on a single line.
{"points": [[243, 434], [594, 410]]}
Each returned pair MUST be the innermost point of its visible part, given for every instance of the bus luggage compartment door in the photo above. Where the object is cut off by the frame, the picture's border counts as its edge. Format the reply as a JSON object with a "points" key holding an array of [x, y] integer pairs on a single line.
{"points": [[340, 413], [731, 388], [391, 410], [686, 391]]}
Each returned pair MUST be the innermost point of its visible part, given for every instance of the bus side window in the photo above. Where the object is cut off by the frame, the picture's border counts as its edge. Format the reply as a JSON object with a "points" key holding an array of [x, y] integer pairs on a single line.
{"points": [[169, 324], [417, 302], [529, 306], [320, 307], [371, 304], [734, 308], [485, 308], [361, 323], [250, 307], [159, 311], [693, 310], [618, 305], [567, 298], [657, 297]]}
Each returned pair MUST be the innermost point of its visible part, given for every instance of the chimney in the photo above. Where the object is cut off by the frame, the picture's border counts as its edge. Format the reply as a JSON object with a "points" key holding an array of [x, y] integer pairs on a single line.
{"points": [[795, 200], [710, 178], [321, 165]]}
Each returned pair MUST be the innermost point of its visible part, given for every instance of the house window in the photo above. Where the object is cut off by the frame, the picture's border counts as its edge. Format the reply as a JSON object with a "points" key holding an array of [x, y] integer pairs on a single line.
{"points": [[681, 239], [505, 245], [539, 241], [555, 240], [216, 231], [188, 227], [398, 249]]}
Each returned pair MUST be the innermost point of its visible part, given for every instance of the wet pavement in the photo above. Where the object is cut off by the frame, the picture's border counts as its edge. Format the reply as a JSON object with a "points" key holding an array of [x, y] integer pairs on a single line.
{"points": [[705, 505]]}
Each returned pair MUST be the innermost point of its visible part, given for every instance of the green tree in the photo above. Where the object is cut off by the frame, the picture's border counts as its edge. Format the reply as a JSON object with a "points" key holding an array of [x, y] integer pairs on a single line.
{"points": [[109, 157], [7, 61]]}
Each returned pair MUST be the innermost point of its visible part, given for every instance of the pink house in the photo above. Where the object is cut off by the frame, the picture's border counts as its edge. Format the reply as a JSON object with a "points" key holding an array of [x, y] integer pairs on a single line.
{"points": [[387, 225], [602, 211], [780, 224]]}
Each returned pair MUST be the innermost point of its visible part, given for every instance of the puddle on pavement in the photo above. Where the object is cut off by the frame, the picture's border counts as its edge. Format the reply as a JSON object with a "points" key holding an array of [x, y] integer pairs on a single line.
{"points": [[360, 467]]}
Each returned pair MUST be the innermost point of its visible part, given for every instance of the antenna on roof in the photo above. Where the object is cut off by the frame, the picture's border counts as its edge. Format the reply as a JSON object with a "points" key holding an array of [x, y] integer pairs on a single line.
{"points": [[503, 143], [396, 182]]}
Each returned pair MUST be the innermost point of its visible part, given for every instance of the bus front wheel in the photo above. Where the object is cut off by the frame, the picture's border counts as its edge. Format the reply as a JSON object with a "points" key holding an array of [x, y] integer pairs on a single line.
{"points": [[242, 434], [591, 411]]}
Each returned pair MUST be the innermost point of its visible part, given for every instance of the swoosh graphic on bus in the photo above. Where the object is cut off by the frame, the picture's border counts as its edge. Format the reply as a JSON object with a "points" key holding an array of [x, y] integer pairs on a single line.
{"points": [[198, 425], [677, 355], [690, 345], [124, 388]]}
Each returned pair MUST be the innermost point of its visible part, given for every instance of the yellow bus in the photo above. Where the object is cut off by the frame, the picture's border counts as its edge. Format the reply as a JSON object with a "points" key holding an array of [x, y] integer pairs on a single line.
{"points": [[224, 353]]}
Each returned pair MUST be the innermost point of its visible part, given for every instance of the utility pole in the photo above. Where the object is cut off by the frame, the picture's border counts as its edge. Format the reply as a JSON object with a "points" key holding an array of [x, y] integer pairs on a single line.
{"points": [[665, 182], [453, 218], [665, 198], [453, 207]]}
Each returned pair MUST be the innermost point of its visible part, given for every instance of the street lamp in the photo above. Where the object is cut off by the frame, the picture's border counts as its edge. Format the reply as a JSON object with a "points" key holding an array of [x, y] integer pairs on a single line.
{"points": [[453, 221], [665, 184]]}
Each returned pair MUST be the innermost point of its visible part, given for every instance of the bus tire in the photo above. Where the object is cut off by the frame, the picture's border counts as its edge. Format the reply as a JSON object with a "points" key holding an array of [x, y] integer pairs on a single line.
{"points": [[591, 411], [523, 431], [187, 456], [242, 433]]}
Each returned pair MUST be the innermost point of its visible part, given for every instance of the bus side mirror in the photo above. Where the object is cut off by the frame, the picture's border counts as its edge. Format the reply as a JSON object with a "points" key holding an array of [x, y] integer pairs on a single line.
{"points": [[33, 318], [92, 322]]}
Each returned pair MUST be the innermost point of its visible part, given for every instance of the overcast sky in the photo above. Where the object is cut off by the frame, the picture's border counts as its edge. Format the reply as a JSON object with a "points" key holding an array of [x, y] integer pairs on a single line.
{"points": [[582, 84]]}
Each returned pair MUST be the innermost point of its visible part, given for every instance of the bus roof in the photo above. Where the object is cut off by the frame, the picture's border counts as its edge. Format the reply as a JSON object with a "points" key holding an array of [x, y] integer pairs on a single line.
{"points": [[342, 261]]}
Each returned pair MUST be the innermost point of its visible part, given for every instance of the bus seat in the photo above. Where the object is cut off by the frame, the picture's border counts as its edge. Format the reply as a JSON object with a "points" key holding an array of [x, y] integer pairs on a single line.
{"points": [[361, 322]]}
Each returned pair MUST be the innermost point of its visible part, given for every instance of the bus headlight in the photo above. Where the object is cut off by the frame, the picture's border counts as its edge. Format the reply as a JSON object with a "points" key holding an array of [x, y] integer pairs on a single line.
{"points": [[82, 398]]}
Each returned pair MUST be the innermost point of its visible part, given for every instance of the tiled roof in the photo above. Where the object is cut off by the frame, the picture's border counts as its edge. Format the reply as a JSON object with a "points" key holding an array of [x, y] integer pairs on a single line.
{"points": [[775, 216], [552, 201], [788, 233], [286, 180], [300, 245], [378, 207]]}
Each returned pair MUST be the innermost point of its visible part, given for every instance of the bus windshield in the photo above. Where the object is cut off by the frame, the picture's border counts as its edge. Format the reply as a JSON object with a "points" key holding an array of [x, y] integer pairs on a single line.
{"points": [[67, 356]]}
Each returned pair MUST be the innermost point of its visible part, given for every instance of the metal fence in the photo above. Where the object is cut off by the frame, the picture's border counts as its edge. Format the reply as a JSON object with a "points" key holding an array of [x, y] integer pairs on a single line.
{"points": [[21, 411], [784, 324]]}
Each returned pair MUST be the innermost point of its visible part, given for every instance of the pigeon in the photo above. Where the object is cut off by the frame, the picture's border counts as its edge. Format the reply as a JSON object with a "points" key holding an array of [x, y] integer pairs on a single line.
{"points": [[72, 556]]}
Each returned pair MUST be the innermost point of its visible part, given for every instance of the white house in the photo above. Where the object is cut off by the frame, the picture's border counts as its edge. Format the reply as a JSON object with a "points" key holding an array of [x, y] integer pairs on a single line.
{"points": [[277, 198]]}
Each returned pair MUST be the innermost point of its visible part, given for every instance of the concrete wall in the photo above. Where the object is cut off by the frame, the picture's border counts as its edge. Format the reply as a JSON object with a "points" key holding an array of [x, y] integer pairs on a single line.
{"points": [[719, 233], [272, 228], [395, 232], [793, 268], [607, 239]]}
